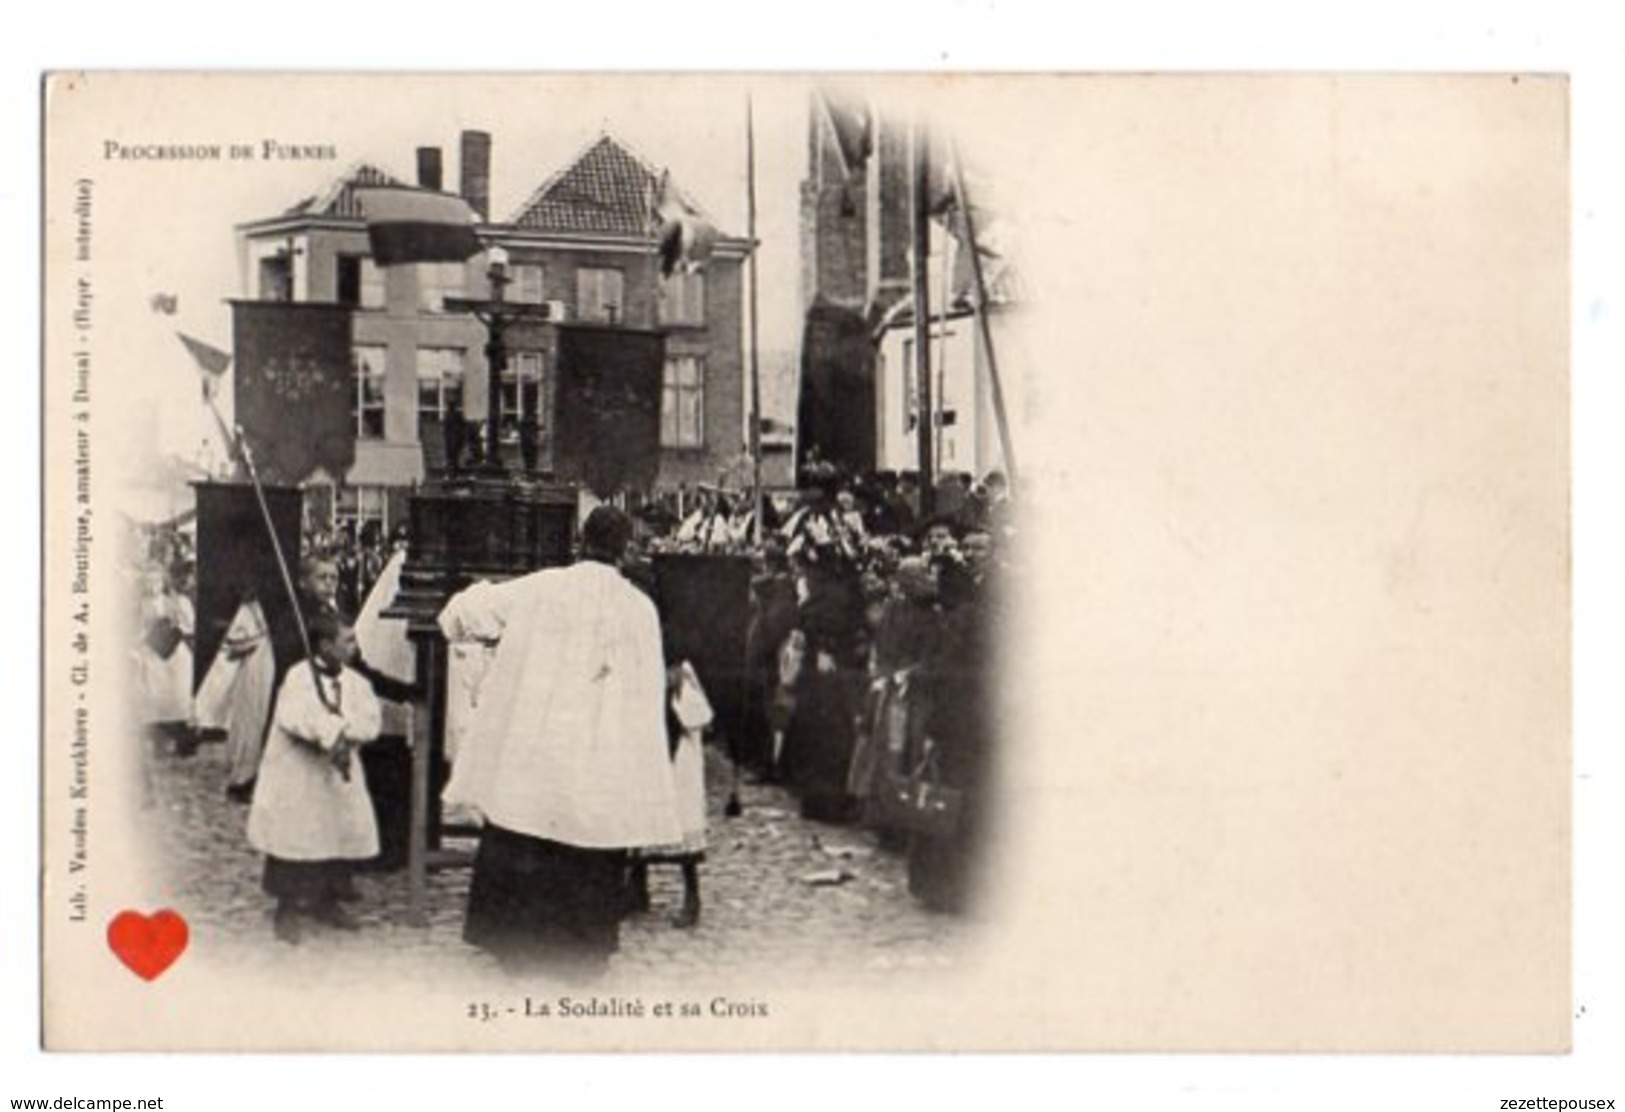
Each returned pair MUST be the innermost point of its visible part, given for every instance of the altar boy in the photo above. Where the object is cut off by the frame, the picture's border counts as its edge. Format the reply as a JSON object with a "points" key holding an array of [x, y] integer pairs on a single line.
{"points": [[311, 815]]}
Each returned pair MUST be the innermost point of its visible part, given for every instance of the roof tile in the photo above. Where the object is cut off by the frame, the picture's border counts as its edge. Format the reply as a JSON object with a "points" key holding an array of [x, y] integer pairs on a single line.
{"points": [[606, 190], [340, 199]]}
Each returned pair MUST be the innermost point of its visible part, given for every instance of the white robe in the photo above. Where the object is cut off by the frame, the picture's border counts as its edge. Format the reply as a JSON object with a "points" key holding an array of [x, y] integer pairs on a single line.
{"points": [[236, 692], [166, 682], [383, 641], [472, 629], [304, 809], [568, 742], [694, 714], [709, 531]]}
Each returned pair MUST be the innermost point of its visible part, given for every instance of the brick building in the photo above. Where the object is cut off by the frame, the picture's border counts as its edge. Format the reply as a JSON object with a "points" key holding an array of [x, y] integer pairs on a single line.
{"points": [[854, 209], [580, 243], [854, 270], [859, 398]]}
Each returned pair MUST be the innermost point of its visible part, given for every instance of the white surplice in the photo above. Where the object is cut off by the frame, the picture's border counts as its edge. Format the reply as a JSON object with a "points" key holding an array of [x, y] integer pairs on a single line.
{"points": [[236, 692], [383, 641], [165, 682], [693, 713], [568, 742], [305, 808]]}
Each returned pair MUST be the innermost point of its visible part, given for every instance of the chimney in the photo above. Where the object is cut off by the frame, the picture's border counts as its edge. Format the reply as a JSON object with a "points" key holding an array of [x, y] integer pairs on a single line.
{"points": [[429, 176], [476, 166]]}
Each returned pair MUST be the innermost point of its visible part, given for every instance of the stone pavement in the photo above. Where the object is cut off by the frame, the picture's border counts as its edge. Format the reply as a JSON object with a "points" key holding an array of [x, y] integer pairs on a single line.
{"points": [[779, 893]]}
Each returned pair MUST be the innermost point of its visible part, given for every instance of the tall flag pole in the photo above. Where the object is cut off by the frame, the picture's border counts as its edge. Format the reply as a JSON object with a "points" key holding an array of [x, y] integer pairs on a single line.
{"points": [[985, 326], [755, 354], [287, 575], [939, 420], [237, 444], [920, 221], [212, 364]]}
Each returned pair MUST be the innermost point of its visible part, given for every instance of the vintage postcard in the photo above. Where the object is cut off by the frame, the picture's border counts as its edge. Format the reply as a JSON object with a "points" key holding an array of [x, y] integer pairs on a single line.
{"points": [[771, 562]]}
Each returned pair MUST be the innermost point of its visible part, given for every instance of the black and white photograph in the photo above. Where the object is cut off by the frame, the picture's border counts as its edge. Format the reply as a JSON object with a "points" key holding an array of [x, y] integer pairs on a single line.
{"points": [[807, 562], [559, 559]]}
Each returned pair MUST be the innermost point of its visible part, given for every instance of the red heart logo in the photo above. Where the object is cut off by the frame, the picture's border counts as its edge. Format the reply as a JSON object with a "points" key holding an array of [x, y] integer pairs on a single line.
{"points": [[148, 945]]}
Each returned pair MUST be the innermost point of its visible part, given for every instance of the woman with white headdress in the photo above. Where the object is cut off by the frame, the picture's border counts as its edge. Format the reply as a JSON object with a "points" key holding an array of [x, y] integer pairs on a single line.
{"points": [[236, 695]]}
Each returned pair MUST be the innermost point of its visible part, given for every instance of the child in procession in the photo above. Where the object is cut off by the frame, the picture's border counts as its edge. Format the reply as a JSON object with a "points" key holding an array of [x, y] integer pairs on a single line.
{"points": [[311, 814]]}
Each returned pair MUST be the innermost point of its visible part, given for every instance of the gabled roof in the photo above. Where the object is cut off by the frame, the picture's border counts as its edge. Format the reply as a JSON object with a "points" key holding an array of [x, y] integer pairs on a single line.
{"points": [[607, 189], [339, 198]]}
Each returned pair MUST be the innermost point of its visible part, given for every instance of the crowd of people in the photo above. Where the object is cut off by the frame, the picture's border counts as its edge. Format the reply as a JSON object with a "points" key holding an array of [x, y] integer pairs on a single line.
{"points": [[358, 552], [872, 675], [869, 693]]}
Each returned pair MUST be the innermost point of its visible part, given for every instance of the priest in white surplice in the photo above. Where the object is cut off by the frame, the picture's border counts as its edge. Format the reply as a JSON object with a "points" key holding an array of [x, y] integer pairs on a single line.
{"points": [[567, 760]]}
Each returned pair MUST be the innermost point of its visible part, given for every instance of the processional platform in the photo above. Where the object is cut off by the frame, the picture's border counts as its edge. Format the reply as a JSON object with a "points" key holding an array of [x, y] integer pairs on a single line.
{"points": [[462, 527]]}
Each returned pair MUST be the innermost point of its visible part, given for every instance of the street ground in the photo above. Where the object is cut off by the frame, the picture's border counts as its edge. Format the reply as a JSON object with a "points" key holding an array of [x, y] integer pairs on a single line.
{"points": [[779, 892]]}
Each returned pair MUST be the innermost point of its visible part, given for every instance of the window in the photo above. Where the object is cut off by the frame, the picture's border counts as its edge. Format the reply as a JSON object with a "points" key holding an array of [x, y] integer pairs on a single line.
{"points": [[367, 405], [682, 299], [599, 295], [526, 284], [358, 282], [682, 403], [521, 393], [354, 507], [438, 281], [440, 382], [276, 277]]}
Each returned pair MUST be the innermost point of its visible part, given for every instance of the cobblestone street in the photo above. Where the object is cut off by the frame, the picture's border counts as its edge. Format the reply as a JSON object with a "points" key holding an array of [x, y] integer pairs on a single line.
{"points": [[779, 892]]}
